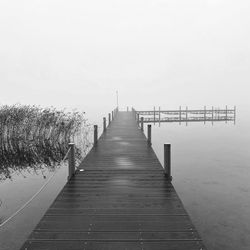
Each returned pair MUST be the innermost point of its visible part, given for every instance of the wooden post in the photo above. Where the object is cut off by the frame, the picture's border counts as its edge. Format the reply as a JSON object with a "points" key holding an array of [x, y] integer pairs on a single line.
{"points": [[104, 124], [71, 158], [138, 119], [112, 115], [154, 115], [95, 134], [180, 115], [167, 161], [149, 135], [142, 127], [109, 118]]}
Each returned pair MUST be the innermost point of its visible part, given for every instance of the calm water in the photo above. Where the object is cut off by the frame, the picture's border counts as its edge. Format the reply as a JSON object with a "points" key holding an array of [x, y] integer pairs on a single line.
{"points": [[210, 169], [15, 192]]}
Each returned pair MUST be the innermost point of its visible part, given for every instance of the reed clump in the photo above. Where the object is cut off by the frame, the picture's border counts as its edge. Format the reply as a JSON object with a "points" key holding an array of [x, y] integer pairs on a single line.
{"points": [[31, 136]]}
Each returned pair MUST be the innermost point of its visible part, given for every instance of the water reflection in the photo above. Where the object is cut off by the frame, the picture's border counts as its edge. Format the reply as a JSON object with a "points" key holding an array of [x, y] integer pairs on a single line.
{"points": [[124, 163]]}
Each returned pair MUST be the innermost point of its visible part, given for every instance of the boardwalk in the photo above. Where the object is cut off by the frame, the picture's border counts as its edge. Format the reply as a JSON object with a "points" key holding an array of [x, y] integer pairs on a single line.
{"points": [[120, 201]]}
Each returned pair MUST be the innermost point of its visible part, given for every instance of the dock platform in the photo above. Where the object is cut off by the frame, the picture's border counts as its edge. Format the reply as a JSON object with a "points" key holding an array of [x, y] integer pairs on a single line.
{"points": [[121, 200]]}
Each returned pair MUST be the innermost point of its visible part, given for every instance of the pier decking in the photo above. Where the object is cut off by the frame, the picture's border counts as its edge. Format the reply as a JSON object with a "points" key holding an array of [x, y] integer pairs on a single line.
{"points": [[121, 200]]}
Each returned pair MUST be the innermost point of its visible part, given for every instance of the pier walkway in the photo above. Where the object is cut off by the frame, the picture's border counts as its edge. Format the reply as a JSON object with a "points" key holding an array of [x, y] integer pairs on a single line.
{"points": [[121, 200]]}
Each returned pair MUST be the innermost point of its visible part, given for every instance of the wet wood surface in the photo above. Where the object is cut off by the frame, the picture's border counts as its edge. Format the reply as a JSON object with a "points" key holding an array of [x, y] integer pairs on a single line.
{"points": [[121, 200]]}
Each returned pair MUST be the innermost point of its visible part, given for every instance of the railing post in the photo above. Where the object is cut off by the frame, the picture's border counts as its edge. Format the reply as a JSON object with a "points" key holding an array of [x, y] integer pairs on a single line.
{"points": [[167, 161], [149, 135], [71, 158], [109, 118], [104, 124], [138, 119], [142, 127], [95, 134], [112, 115]]}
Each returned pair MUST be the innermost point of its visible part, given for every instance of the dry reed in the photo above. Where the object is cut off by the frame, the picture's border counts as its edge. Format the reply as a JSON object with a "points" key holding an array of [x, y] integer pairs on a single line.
{"points": [[31, 136]]}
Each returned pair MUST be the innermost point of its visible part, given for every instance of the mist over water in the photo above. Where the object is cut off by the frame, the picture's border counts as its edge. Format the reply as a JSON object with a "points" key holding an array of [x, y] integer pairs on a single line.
{"points": [[155, 53]]}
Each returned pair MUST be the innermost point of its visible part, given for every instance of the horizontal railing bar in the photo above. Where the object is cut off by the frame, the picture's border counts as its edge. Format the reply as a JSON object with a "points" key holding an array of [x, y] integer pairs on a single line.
{"points": [[120, 231], [207, 120], [116, 240], [93, 215], [184, 110]]}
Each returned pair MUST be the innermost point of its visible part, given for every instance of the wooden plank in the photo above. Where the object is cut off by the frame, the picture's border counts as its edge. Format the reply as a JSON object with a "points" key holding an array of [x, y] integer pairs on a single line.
{"points": [[119, 200], [113, 235], [79, 211]]}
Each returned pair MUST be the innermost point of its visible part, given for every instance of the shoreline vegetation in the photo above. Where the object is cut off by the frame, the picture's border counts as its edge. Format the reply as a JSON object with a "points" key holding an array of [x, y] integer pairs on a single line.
{"points": [[32, 137]]}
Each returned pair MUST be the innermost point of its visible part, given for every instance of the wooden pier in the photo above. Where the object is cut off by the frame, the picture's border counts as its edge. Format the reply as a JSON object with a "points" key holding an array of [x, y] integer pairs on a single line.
{"points": [[187, 115], [119, 198]]}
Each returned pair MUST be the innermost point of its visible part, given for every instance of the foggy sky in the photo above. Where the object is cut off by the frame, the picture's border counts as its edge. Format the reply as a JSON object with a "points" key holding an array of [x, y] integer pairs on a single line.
{"points": [[160, 52]]}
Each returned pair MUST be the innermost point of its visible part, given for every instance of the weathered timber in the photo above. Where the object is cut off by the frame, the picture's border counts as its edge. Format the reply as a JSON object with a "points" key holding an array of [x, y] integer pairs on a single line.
{"points": [[122, 200]]}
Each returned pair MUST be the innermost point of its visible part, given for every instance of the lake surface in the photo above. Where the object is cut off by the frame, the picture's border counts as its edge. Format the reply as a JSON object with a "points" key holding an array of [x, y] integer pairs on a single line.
{"points": [[210, 169]]}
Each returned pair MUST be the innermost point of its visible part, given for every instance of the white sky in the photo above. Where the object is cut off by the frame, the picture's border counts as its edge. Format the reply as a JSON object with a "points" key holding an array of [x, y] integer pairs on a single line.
{"points": [[161, 52]]}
